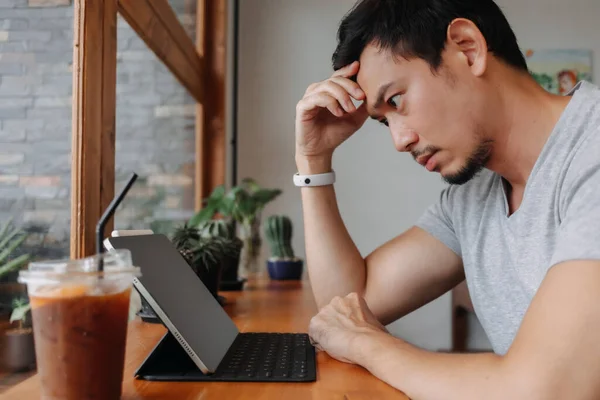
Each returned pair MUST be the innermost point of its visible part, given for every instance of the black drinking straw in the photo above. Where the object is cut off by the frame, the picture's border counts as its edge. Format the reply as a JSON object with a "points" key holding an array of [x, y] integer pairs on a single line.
{"points": [[107, 215]]}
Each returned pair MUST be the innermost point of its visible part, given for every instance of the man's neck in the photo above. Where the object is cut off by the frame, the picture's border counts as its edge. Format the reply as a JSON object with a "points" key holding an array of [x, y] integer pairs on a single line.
{"points": [[528, 116]]}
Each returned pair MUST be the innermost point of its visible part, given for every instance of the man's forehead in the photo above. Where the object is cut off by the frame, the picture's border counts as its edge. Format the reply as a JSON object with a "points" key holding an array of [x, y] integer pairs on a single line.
{"points": [[376, 66]]}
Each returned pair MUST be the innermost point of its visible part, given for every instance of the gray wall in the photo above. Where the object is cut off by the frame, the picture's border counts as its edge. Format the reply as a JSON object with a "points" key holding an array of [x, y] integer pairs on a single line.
{"points": [[286, 45], [155, 125]]}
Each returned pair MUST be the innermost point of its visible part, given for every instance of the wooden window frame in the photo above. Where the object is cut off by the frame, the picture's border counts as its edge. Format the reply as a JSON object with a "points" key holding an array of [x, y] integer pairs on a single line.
{"points": [[200, 67]]}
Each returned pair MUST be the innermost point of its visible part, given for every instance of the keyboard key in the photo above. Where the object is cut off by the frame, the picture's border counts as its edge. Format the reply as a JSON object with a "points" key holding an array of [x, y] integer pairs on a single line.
{"points": [[269, 357], [300, 354], [264, 374]]}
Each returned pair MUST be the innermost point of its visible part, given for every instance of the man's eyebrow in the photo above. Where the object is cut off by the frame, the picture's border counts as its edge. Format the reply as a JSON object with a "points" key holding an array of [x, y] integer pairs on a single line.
{"points": [[380, 93], [379, 100]]}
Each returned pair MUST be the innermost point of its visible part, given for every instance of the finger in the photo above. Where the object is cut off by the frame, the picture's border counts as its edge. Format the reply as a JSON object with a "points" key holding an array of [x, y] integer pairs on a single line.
{"points": [[313, 342], [336, 300], [347, 71], [350, 86], [340, 94], [321, 100], [311, 88]]}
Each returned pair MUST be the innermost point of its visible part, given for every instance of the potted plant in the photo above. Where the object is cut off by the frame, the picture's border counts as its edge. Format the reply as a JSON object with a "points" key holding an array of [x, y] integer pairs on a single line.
{"points": [[232, 245], [18, 348], [283, 264], [205, 254], [244, 205], [11, 239]]}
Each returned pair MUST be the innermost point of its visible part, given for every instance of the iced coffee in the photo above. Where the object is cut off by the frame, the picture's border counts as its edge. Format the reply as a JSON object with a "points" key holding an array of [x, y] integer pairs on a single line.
{"points": [[80, 325]]}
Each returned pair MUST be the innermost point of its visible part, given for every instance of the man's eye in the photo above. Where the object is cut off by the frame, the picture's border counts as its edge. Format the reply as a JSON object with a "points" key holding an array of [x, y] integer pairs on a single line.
{"points": [[394, 101]]}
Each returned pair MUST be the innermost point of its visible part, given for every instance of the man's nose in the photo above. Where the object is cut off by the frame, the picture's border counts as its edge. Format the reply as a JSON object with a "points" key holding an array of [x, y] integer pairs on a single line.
{"points": [[404, 139]]}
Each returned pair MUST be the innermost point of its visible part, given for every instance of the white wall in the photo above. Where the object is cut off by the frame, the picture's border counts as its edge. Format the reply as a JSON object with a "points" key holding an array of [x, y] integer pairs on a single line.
{"points": [[284, 46]]}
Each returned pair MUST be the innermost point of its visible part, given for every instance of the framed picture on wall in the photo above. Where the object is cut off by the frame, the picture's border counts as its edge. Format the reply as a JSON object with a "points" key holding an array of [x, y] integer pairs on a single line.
{"points": [[558, 71]]}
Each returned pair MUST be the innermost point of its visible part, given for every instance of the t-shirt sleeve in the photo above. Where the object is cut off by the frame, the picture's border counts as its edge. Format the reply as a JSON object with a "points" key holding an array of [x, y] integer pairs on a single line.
{"points": [[579, 232], [437, 221]]}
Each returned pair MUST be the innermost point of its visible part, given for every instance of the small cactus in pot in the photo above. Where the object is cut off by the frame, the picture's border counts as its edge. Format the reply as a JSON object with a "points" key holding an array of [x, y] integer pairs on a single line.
{"points": [[283, 264]]}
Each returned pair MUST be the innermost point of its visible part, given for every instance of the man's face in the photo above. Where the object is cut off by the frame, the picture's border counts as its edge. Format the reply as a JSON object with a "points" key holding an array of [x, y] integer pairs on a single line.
{"points": [[438, 118]]}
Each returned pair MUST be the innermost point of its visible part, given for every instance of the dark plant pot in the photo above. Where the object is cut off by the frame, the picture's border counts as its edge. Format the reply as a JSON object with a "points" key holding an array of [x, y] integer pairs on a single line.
{"points": [[210, 277], [281, 270], [18, 350], [230, 280], [230, 269]]}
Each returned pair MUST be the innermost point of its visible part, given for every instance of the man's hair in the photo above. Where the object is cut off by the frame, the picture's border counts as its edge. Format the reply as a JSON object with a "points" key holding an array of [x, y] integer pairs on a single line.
{"points": [[418, 29]]}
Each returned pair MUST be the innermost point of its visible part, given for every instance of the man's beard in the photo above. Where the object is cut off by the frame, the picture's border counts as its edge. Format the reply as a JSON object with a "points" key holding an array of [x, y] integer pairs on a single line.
{"points": [[475, 163]]}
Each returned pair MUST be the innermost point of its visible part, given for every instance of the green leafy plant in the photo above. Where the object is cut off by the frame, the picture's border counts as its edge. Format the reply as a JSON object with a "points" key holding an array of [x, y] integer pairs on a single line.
{"points": [[232, 245], [10, 239], [218, 228], [21, 308], [206, 254], [242, 203], [184, 236], [278, 230], [204, 250], [209, 252]]}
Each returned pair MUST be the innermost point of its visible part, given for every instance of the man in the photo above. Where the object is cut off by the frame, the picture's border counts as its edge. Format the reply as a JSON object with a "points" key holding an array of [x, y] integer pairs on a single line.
{"points": [[520, 220]]}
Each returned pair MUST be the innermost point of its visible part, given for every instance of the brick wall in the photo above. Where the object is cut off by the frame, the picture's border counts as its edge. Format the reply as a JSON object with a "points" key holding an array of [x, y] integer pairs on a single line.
{"points": [[155, 125]]}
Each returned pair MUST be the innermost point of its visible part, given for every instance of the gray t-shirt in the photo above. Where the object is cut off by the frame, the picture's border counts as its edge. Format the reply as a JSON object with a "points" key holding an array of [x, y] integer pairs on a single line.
{"points": [[506, 257]]}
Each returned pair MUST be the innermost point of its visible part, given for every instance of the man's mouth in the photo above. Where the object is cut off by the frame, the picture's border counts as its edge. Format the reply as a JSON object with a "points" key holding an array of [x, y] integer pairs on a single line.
{"points": [[427, 161]]}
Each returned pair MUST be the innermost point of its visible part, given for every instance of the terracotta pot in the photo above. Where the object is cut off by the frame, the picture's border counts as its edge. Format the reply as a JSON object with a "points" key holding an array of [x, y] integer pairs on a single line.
{"points": [[18, 350]]}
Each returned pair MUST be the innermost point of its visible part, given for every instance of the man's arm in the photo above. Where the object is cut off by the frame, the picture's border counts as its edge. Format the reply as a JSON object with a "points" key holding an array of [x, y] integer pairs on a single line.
{"points": [[401, 276], [397, 278], [555, 355]]}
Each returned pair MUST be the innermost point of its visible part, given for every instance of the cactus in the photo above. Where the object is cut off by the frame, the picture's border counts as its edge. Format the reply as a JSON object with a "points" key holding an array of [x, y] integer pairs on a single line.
{"points": [[278, 230]]}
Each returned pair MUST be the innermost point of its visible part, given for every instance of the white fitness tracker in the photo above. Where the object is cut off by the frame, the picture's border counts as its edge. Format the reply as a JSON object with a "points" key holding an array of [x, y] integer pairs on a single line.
{"points": [[314, 180]]}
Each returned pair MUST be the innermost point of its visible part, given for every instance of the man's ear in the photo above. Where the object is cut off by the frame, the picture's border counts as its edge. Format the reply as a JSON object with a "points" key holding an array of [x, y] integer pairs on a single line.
{"points": [[466, 38]]}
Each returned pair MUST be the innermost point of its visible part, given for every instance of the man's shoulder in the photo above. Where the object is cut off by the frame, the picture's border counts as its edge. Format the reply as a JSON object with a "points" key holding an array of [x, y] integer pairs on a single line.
{"points": [[585, 158]]}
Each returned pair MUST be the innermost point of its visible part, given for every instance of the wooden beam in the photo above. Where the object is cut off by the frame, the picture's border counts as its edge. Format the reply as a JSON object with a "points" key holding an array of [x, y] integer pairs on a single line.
{"points": [[211, 42], [156, 23], [94, 107]]}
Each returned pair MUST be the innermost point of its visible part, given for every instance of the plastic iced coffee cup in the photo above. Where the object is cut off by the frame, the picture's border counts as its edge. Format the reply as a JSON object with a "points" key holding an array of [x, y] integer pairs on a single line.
{"points": [[79, 318]]}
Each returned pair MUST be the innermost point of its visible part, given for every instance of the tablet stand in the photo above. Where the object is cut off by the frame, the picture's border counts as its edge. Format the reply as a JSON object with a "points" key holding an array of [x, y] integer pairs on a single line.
{"points": [[168, 361]]}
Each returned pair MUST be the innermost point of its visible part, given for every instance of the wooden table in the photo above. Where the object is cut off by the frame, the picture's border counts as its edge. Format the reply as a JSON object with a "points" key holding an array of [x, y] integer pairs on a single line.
{"points": [[263, 306]]}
